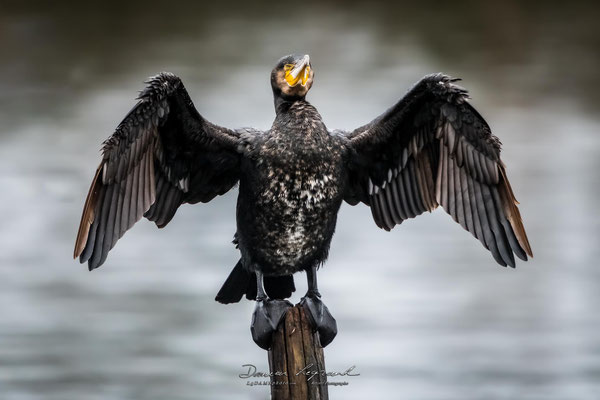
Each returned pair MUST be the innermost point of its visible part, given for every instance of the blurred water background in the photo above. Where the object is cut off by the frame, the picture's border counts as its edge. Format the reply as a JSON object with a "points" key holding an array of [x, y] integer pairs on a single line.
{"points": [[424, 312]]}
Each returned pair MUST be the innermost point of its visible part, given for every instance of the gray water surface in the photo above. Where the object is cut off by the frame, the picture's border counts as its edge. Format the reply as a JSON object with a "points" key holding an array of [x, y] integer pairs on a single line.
{"points": [[424, 312]]}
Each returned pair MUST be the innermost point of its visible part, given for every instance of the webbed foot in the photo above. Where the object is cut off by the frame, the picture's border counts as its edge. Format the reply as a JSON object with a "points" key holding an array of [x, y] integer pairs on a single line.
{"points": [[266, 318], [321, 318]]}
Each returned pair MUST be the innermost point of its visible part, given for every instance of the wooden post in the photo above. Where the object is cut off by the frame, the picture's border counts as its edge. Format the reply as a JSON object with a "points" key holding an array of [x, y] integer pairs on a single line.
{"points": [[296, 360]]}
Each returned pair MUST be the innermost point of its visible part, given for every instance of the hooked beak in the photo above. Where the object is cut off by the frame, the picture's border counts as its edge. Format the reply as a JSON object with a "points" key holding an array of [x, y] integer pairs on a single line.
{"points": [[299, 73]]}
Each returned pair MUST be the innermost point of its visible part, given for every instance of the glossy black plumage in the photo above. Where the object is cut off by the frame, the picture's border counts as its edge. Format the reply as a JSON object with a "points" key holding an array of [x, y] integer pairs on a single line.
{"points": [[432, 148]]}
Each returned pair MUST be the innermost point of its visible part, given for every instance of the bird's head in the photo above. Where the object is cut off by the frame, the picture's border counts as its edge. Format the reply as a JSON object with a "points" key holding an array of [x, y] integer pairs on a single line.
{"points": [[292, 77]]}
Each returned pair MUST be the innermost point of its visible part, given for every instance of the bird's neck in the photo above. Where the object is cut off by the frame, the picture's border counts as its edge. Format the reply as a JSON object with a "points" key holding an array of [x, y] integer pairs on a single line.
{"points": [[283, 104]]}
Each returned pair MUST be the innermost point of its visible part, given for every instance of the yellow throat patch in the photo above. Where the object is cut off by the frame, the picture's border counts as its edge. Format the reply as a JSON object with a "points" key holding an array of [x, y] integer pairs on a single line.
{"points": [[301, 78]]}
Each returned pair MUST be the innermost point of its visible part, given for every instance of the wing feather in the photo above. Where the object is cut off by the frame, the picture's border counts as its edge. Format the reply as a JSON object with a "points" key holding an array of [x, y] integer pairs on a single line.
{"points": [[435, 148], [451, 193], [415, 186], [425, 182], [488, 236], [87, 218], [110, 220], [376, 211], [478, 232], [464, 182], [385, 212], [410, 196], [404, 195], [389, 197], [147, 163], [397, 200], [98, 255], [117, 227], [458, 194], [134, 195], [512, 239]]}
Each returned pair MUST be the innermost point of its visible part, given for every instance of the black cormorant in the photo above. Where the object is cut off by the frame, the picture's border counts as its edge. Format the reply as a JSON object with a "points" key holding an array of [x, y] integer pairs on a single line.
{"points": [[431, 148]]}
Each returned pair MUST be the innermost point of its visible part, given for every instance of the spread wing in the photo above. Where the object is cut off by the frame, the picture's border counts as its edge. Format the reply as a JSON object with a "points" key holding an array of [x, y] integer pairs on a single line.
{"points": [[433, 148], [163, 154]]}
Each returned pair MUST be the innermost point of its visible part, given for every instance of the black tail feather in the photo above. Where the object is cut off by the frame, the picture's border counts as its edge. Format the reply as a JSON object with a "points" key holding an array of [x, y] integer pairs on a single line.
{"points": [[279, 287], [235, 286], [240, 282]]}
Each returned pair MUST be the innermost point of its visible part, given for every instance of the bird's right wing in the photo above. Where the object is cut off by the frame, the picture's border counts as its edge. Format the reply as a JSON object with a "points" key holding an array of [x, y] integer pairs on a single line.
{"points": [[163, 154]]}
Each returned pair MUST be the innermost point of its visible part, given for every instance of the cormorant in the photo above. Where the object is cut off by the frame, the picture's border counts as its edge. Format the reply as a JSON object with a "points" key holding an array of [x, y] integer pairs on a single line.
{"points": [[431, 148]]}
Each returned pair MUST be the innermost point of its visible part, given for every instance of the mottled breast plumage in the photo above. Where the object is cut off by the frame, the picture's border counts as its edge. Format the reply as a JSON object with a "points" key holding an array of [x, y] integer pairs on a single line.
{"points": [[296, 170]]}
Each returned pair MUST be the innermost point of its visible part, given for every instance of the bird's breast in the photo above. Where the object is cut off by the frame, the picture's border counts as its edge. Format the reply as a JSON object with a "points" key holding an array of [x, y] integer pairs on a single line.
{"points": [[295, 198], [298, 210]]}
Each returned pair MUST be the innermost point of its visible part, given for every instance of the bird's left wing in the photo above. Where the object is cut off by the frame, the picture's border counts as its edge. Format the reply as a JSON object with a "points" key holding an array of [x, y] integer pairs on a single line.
{"points": [[433, 148], [163, 154]]}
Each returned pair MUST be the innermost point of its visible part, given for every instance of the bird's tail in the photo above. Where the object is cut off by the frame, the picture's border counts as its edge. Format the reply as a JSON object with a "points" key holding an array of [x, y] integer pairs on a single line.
{"points": [[242, 282]]}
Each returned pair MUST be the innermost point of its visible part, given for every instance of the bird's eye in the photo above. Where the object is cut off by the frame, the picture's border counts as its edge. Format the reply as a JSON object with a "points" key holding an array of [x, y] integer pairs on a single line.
{"points": [[288, 67]]}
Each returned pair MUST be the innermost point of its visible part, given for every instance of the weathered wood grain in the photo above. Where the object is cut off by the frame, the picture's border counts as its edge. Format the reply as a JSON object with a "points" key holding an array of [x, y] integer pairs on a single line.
{"points": [[296, 360]]}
